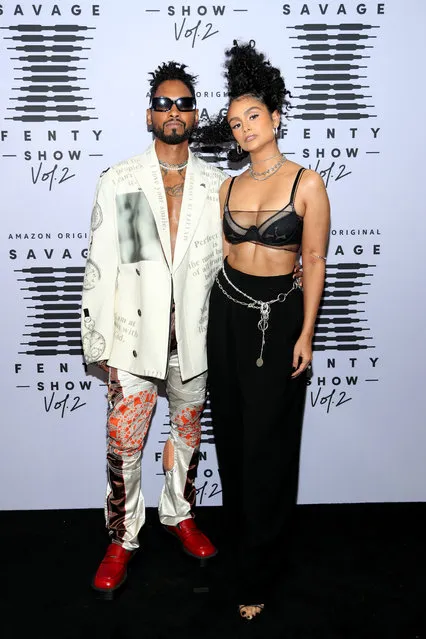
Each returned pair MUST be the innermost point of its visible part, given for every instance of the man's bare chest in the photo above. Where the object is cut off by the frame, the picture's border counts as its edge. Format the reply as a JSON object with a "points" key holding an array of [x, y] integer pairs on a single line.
{"points": [[174, 182]]}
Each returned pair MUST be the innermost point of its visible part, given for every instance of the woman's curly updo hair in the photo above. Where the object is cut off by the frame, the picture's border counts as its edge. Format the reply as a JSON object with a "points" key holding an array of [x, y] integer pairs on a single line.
{"points": [[247, 73]]}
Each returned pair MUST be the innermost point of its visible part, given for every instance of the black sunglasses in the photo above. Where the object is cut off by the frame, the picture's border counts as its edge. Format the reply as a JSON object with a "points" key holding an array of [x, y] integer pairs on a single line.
{"points": [[165, 104]]}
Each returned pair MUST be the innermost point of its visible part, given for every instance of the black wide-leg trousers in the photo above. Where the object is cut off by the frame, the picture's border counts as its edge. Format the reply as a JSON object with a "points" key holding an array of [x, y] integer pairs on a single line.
{"points": [[257, 415]]}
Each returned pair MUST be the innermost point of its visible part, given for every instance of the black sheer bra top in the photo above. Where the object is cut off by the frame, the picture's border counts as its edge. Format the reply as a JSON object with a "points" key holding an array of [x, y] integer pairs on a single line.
{"points": [[277, 229]]}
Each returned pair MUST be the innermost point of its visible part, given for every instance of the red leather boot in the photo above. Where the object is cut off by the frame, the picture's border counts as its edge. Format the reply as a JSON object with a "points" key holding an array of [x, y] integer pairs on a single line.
{"points": [[112, 571], [194, 542]]}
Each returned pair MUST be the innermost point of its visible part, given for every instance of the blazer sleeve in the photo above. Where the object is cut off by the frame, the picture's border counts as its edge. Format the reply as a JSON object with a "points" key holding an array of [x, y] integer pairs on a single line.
{"points": [[100, 276]]}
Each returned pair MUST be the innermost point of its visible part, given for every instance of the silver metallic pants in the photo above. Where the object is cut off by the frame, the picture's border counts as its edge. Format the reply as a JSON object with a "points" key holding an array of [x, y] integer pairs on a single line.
{"points": [[131, 403]]}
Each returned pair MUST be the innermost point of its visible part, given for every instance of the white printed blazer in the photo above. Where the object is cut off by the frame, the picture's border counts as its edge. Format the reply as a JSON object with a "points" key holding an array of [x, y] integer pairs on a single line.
{"points": [[130, 278]]}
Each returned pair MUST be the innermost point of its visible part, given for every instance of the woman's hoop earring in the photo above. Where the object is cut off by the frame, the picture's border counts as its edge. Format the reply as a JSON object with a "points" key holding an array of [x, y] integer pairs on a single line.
{"points": [[275, 131], [239, 149]]}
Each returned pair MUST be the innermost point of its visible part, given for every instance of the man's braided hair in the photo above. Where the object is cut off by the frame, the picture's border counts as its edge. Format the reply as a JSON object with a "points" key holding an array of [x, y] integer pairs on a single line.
{"points": [[171, 71]]}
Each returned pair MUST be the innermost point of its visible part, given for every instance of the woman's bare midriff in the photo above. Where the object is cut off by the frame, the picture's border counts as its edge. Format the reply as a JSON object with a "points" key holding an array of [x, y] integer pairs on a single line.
{"points": [[255, 259]]}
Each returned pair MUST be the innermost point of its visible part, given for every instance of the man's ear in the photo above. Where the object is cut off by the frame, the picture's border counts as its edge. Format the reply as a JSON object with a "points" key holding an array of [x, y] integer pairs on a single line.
{"points": [[148, 118]]}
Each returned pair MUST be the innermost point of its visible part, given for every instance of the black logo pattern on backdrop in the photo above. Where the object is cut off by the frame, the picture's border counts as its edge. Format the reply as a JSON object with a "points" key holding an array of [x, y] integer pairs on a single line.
{"points": [[49, 63], [341, 323], [206, 424], [333, 71], [53, 302], [342, 327]]}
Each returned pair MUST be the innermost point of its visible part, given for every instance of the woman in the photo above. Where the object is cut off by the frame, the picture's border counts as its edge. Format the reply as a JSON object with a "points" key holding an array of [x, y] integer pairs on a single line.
{"points": [[261, 325]]}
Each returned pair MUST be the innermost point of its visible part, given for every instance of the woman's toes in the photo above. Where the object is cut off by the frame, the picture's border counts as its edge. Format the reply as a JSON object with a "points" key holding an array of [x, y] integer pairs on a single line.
{"points": [[249, 612]]}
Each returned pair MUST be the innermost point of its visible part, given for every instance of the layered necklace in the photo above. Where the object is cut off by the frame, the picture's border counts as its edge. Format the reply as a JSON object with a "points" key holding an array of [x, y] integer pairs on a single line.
{"points": [[260, 176], [173, 167]]}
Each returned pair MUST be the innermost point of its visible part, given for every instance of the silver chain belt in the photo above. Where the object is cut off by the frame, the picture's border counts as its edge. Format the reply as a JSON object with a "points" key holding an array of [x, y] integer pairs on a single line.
{"points": [[263, 307]]}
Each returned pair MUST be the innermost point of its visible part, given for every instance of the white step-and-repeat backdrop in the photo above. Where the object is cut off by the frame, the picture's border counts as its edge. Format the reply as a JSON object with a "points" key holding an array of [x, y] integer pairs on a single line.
{"points": [[74, 86]]}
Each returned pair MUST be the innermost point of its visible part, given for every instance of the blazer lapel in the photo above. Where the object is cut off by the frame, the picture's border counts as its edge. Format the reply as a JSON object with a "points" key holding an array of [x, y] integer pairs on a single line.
{"points": [[149, 178], [194, 195]]}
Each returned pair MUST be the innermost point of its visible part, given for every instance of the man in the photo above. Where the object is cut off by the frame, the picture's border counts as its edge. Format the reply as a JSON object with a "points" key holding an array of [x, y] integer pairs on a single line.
{"points": [[155, 247]]}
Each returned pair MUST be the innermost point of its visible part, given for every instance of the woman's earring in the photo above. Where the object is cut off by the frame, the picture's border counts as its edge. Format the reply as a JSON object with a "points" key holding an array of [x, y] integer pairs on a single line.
{"points": [[239, 149], [275, 131]]}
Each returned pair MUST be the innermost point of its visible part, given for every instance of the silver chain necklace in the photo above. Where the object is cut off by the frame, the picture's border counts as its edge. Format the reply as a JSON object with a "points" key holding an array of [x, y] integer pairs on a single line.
{"points": [[271, 157], [173, 167], [263, 307], [264, 175]]}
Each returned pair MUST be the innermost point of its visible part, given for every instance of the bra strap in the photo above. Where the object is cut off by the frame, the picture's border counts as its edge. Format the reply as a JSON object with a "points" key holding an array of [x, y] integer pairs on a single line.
{"points": [[295, 185], [229, 191]]}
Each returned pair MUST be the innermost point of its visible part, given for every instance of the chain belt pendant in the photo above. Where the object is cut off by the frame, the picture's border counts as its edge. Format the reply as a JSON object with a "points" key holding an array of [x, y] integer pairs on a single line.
{"points": [[262, 325], [263, 307]]}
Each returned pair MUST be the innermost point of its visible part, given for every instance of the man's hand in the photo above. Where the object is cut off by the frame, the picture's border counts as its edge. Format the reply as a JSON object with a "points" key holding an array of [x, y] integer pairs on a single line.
{"points": [[298, 274], [103, 365]]}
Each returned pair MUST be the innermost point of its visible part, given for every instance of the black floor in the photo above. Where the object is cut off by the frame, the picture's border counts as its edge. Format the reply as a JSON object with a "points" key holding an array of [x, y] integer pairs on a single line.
{"points": [[354, 571]]}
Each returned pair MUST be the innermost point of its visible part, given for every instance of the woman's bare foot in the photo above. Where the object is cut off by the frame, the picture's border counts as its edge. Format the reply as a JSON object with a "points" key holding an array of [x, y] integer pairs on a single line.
{"points": [[250, 611]]}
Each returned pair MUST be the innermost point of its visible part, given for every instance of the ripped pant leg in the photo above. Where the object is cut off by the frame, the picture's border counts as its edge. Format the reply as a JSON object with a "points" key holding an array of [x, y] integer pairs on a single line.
{"points": [[131, 403], [181, 452]]}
